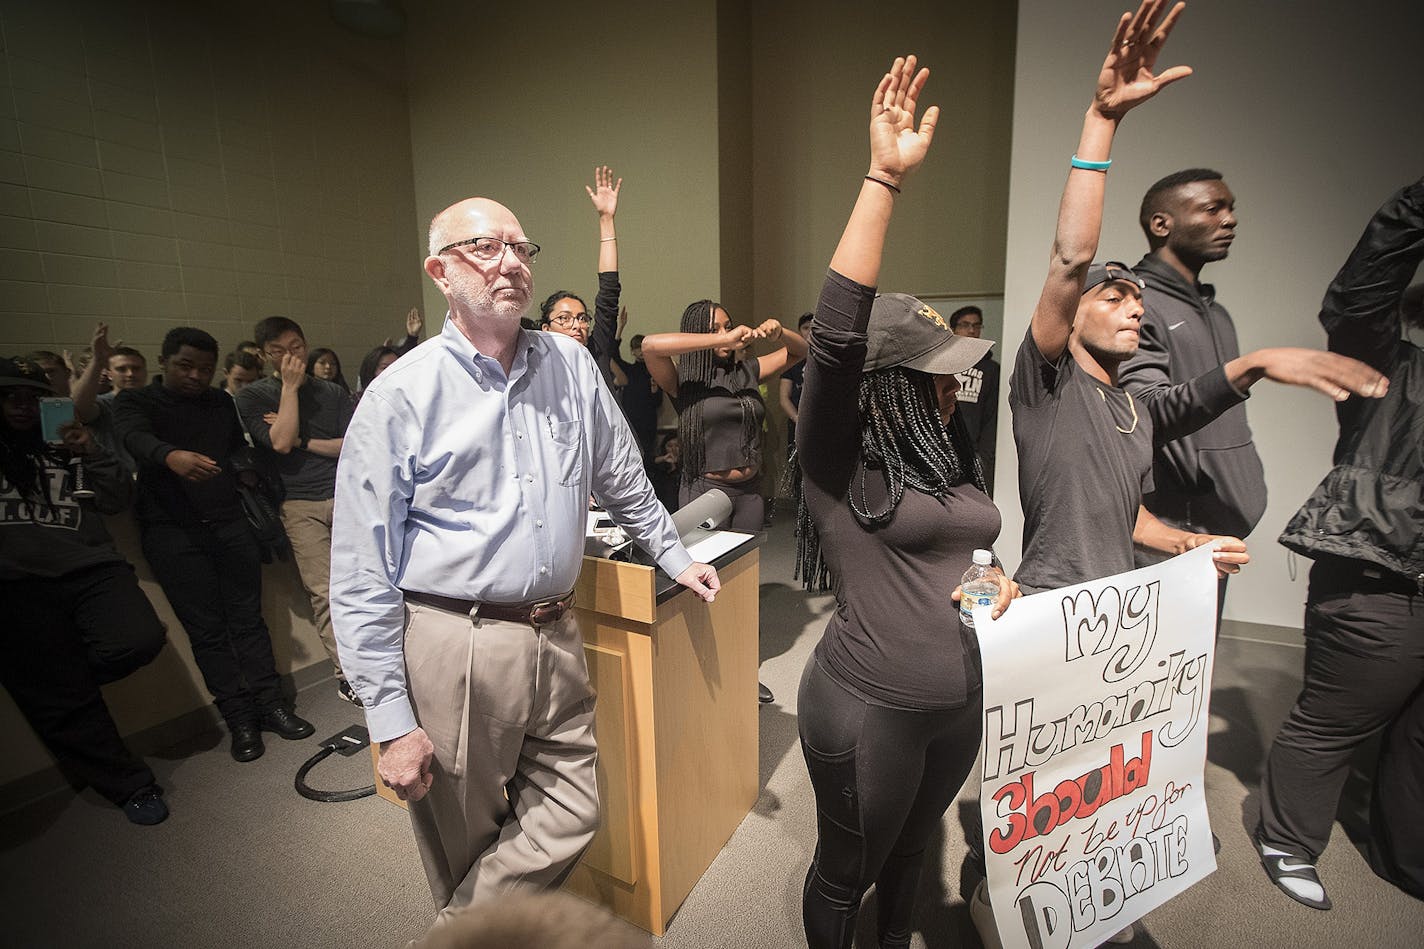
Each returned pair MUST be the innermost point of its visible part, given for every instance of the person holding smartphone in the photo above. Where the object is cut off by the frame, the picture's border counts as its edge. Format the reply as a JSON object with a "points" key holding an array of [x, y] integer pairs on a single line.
{"points": [[76, 619]]}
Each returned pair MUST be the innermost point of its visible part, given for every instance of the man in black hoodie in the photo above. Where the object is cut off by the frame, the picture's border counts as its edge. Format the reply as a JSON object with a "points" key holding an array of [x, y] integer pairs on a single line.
{"points": [[183, 433], [1190, 373]]}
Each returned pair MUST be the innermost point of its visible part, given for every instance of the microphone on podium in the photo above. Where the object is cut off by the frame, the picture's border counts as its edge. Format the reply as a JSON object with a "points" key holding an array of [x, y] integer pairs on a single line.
{"points": [[706, 512]]}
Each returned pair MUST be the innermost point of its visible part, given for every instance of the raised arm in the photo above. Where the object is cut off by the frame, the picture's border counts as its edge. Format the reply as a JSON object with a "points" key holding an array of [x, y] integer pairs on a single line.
{"points": [[85, 390], [660, 351], [604, 195], [791, 351], [1125, 82], [897, 148]]}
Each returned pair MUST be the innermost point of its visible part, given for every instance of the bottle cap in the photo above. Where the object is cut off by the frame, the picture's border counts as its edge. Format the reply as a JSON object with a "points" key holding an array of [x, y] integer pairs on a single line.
{"points": [[984, 558]]}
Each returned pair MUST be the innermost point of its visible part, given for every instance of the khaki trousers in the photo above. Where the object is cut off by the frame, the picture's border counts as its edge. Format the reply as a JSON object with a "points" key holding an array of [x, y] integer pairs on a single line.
{"points": [[509, 708], [308, 525]]}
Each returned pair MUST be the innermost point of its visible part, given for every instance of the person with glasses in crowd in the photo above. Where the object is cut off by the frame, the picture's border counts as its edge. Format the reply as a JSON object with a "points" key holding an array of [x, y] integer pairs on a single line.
{"points": [[299, 421], [461, 508], [565, 312]]}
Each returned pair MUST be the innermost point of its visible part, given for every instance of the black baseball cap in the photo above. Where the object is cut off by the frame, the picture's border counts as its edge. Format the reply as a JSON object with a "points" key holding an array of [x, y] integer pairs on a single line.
{"points": [[905, 331], [1108, 271], [17, 372]]}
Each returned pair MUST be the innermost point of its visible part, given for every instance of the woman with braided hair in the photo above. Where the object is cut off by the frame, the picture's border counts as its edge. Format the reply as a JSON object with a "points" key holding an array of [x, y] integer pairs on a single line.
{"points": [[713, 385], [891, 507]]}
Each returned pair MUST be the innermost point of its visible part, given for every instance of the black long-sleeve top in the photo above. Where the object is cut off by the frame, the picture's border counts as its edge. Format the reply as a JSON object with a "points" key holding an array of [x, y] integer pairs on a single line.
{"points": [[895, 638], [603, 333], [153, 422]]}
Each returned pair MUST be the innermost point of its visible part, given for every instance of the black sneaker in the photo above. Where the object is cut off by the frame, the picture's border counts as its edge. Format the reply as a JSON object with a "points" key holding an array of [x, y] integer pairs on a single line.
{"points": [[343, 689], [146, 806], [764, 695]]}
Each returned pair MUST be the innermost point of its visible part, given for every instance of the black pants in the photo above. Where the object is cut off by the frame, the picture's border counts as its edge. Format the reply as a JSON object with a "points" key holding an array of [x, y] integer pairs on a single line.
{"points": [[1364, 668], [212, 575], [748, 505], [64, 638], [883, 778]]}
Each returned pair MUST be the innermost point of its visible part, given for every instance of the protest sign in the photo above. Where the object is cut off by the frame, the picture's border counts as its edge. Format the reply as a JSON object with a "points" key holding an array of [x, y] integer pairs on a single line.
{"points": [[1095, 724]]}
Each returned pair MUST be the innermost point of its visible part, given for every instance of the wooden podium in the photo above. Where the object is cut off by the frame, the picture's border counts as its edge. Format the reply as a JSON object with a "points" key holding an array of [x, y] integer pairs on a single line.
{"points": [[677, 729], [676, 724]]}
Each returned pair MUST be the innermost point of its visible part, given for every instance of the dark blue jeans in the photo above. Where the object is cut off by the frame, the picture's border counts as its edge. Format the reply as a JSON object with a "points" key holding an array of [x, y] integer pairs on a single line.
{"points": [[212, 575]]}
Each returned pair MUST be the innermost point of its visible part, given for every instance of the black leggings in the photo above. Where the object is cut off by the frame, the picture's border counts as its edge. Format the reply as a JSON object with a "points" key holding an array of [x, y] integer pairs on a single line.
{"points": [[883, 779]]}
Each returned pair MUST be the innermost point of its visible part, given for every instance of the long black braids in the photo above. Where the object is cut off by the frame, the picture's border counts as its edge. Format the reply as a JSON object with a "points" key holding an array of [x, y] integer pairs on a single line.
{"points": [[695, 370], [903, 441], [23, 457]]}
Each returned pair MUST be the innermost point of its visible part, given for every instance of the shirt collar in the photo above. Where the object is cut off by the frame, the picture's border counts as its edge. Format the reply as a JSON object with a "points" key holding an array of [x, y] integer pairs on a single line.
{"points": [[477, 363]]}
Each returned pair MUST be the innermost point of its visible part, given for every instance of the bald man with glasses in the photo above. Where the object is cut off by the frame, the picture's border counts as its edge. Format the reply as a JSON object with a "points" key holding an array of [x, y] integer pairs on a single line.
{"points": [[461, 503]]}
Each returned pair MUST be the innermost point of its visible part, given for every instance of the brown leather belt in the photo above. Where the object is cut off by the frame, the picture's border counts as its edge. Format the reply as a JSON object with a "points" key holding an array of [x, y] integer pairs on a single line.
{"points": [[542, 613]]}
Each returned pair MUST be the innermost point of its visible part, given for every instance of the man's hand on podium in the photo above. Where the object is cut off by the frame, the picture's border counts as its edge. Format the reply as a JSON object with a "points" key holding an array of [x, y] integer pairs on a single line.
{"points": [[701, 578], [405, 764]]}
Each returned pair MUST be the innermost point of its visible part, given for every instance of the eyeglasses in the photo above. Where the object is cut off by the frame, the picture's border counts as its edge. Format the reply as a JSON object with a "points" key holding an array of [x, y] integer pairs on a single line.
{"points": [[491, 248], [566, 320]]}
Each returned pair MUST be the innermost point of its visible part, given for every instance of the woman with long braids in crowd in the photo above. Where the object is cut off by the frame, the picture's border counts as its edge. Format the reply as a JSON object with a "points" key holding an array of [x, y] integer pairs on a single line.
{"points": [[713, 385], [890, 508]]}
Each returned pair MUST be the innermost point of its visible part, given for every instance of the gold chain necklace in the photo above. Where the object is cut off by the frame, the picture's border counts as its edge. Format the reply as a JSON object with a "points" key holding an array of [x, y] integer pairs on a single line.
{"points": [[1130, 404]]}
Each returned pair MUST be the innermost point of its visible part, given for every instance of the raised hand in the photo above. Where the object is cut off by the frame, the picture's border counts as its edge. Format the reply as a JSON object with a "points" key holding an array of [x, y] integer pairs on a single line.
{"points": [[101, 347], [769, 329], [413, 322], [1126, 80], [897, 147], [738, 337], [604, 193]]}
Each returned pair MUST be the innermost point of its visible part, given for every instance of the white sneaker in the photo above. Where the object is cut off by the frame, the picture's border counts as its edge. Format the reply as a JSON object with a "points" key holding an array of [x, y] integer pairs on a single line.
{"points": [[982, 913]]}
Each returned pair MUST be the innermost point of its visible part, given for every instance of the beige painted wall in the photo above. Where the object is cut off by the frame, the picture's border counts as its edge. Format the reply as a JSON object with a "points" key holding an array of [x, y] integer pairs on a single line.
{"points": [[571, 85], [1313, 128], [164, 164]]}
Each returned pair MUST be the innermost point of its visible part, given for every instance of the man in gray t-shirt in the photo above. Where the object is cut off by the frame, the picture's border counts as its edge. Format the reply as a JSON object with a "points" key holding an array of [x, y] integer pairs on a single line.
{"points": [[299, 422]]}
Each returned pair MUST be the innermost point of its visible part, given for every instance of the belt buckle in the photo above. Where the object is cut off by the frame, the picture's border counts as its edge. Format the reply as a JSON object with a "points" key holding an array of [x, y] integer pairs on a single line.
{"points": [[542, 613]]}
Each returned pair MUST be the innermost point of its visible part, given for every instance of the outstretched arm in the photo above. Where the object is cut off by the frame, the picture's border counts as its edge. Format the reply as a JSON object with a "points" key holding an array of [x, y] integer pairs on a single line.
{"points": [[85, 390], [1125, 82]]}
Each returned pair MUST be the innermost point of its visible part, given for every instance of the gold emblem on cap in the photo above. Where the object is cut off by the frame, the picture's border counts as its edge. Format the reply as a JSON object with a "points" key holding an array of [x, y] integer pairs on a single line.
{"points": [[928, 312]]}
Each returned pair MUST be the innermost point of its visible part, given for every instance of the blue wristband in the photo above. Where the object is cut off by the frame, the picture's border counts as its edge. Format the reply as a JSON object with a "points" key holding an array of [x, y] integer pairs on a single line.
{"points": [[1086, 165]]}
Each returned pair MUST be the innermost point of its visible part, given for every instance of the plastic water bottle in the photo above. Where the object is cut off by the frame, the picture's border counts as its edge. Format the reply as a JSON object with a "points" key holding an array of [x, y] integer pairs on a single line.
{"points": [[979, 586]]}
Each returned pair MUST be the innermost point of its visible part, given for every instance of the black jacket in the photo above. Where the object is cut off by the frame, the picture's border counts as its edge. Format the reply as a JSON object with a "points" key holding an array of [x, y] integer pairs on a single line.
{"points": [[153, 421], [1370, 506], [1207, 476]]}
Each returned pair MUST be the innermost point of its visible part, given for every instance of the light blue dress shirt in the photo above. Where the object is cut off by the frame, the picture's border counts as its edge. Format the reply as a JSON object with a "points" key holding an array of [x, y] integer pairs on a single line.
{"points": [[458, 481]]}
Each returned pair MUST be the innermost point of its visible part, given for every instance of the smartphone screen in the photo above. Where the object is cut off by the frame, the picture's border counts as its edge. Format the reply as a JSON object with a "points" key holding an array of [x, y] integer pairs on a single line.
{"points": [[603, 524], [54, 412]]}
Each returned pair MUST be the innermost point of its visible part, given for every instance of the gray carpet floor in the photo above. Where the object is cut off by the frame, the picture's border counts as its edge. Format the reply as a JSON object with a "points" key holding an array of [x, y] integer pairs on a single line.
{"points": [[244, 861]]}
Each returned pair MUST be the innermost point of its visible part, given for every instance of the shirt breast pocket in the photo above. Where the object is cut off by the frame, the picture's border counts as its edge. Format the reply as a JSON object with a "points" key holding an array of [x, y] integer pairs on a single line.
{"points": [[567, 439]]}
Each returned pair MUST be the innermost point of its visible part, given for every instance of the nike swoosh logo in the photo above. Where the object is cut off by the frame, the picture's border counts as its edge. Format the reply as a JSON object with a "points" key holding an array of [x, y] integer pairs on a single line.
{"points": [[1293, 867], [1175, 325]]}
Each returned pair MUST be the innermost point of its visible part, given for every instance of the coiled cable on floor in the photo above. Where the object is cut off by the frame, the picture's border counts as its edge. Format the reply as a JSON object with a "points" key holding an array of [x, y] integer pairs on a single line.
{"points": [[326, 797]]}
